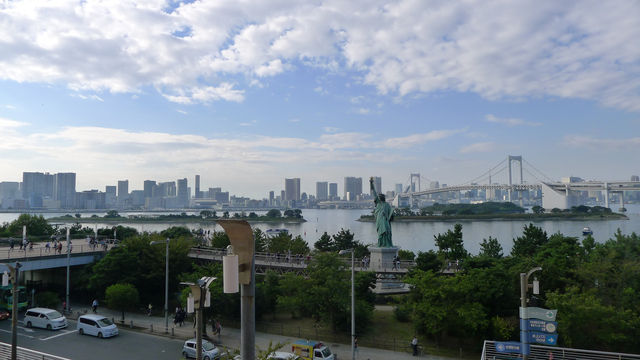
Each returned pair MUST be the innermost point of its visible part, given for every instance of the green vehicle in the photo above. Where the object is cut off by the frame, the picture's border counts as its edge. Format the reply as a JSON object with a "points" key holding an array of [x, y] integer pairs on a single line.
{"points": [[6, 298]]}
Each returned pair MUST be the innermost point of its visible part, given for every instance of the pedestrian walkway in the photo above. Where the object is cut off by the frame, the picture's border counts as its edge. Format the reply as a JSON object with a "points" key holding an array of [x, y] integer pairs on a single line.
{"points": [[230, 337]]}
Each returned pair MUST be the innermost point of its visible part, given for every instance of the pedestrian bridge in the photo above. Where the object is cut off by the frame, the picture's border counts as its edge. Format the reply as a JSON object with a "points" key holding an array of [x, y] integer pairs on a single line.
{"points": [[40, 257]]}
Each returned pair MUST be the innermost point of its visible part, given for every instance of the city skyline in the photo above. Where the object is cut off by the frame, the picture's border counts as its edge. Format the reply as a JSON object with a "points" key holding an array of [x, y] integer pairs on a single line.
{"points": [[247, 95]]}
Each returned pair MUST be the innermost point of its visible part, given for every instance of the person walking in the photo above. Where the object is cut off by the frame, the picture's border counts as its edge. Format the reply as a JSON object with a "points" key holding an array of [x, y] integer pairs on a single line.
{"points": [[149, 309], [218, 329], [94, 306], [414, 345], [355, 346]]}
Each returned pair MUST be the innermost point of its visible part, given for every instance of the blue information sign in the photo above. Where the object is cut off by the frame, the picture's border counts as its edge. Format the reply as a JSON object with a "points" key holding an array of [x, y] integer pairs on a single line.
{"points": [[512, 347], [542, 338], [538, 325]]}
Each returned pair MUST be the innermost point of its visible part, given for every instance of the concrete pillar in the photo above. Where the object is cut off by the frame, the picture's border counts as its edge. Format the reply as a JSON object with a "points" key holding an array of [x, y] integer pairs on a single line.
{"points": [[606, 195]]}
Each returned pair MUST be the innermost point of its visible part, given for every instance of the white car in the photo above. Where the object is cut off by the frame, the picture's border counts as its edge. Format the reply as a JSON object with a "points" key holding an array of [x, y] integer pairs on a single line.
{"points": [[281, 355], [44, 318], [209, 351], [96, 325]]}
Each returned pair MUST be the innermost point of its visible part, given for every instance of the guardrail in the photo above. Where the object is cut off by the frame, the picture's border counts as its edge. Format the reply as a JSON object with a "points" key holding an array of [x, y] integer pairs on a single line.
{"points": [[41, 251], [26, 354], [541, 352]]}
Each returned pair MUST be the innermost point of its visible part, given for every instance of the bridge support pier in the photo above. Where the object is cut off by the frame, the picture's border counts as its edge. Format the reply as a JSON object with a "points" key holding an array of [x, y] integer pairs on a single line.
{"points": [[606, 195]]}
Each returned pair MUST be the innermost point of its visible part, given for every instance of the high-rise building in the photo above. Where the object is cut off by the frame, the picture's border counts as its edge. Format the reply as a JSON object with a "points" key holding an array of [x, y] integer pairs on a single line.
{"points": [[398, 188], [271, 198], [9, 192], [123, 190], [292, 189], [167, 188], [322, 190], [333, 191], [149, 187], [110, 196], [65, 190], [434, 185], [36, 186], [352, 187], [377, 183], [197, 194], [635, 178], [213, 191], [183, 193]]}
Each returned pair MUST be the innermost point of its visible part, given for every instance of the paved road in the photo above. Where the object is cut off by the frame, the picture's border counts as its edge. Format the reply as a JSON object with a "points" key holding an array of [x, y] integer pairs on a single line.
{"points": [[68, 343]]}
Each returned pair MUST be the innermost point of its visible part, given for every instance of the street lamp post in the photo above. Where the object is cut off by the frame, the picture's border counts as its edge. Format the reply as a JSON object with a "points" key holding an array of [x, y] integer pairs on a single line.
{"points": [[166, 285], [68, 306], [524, 286], [15, 296], [353, 302], [201, 298]]}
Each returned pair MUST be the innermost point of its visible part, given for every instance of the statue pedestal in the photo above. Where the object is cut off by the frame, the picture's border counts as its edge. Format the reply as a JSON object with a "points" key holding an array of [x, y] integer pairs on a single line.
{"points": [[382, 258]]}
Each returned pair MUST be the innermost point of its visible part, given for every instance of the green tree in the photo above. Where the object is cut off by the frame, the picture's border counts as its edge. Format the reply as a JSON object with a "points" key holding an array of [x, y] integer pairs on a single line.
{"points": [[220, 240], [176, 232], [532, 238], [450, 244], [36, 225], [325, 243], [260, 239], [122, 297], [491, 248], [112, 214], [428, 260], [273, 213], [537, 209], [406, 255]]}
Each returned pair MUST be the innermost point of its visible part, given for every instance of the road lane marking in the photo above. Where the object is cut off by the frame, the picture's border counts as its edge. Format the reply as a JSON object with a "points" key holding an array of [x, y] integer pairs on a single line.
{"points": [[9, 331], [63, 332]]}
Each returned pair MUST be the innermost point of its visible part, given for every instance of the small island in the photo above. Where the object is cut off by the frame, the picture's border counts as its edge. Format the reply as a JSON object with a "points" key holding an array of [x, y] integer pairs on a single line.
{"points": [[205, 216], [499, 211]]}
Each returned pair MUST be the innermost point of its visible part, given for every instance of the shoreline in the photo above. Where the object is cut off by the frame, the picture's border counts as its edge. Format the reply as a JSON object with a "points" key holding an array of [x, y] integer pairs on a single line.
{"points": [[500, 217], [169, 220]]}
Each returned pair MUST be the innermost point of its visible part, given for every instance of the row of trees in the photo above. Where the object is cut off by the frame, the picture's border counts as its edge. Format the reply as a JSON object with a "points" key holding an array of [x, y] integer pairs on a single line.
{"points": [[593, 285]]}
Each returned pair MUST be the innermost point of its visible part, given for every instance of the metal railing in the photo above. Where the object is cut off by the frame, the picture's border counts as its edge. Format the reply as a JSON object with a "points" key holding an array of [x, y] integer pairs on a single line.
{"points": [[541, 352], [41, 251], [26, 354]]}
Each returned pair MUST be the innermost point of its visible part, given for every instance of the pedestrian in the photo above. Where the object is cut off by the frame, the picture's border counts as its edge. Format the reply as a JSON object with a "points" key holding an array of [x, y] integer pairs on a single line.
{"points": [[94, 306], [47, 247], [183, 314], [30, 245], [414, 345], [218, 329], [10, 244], [149, 309], [355, 346]]}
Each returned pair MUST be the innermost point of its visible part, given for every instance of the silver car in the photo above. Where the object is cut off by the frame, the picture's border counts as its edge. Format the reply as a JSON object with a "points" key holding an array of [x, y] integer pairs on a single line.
{"points": [[209, 351]]}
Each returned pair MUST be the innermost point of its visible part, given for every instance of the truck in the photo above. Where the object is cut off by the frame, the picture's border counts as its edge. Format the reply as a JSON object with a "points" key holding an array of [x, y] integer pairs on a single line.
{"points": [[312, 350]]}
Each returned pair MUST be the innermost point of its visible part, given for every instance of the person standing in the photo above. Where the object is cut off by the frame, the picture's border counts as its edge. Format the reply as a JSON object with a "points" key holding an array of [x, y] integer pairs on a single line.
{"points": [[94, 306], [414, 345]]}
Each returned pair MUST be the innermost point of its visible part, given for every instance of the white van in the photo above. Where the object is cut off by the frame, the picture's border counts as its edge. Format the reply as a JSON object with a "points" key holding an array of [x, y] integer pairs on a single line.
{"points": [[44, 318], [96, 325]]}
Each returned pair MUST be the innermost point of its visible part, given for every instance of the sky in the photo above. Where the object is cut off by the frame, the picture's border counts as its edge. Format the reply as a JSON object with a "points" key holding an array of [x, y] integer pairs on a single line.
{"points": [[248, 93]]}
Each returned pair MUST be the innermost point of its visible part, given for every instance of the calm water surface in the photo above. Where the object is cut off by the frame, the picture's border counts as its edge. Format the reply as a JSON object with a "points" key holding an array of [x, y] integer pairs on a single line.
{"points": [[415, 236]]}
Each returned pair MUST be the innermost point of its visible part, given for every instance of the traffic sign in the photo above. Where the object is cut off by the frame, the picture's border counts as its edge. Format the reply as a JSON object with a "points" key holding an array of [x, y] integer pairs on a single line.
{"points": [[542, 338], [538, 313], [538, 325], [512, 347]]}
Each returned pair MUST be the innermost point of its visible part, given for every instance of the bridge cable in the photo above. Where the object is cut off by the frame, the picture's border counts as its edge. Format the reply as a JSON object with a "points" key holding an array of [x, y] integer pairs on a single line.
{"points": [[540, 172], [484, 175]]}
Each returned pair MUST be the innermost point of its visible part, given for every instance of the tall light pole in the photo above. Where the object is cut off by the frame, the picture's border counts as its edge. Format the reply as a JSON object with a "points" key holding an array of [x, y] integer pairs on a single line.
{"points": [[166, 285], [14, 274], [68, 270], [524, 286], [353, 302]]}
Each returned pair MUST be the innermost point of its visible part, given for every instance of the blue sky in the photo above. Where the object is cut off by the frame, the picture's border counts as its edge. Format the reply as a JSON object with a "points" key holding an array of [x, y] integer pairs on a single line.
{"points": [[247, 93]]}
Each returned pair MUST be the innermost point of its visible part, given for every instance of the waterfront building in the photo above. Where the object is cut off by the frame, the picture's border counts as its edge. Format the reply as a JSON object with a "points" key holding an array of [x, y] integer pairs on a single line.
{"points": [[333, 191], [36, 186], [123, 193], [322, 190], [198, 195], [9, 193], [398, 188], [149, 187], [110, 196], [167, 188], [352, 188], [65, 190], [292, 189], [271, 197], [183, 193]]}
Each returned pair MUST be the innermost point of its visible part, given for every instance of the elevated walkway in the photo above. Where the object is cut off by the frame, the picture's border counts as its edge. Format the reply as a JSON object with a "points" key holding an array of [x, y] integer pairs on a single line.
{"points": [[40, 257], [541, 352]]}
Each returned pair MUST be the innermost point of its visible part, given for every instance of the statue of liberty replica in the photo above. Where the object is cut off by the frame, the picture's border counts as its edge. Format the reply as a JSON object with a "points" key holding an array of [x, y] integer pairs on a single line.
{"points": [[383, 214], [383, 255]]}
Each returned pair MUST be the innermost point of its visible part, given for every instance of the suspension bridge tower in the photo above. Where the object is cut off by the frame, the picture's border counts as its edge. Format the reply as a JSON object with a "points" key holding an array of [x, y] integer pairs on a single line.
{"points": [[510, 160]]}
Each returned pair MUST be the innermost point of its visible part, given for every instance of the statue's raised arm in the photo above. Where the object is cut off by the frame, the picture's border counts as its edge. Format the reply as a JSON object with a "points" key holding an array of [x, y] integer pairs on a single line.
{"points": [[373, 190]]}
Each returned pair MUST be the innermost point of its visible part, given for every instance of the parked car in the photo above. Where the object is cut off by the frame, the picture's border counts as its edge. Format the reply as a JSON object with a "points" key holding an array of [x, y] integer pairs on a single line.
{"points": [[282, 355], [44, 318], [209, 351], [96, 325]]}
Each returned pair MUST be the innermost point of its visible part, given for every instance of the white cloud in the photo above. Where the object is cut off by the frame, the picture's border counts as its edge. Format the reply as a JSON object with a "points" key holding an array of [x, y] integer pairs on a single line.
{"points": [[294, 120], [417, 139], [602, 144], [8, 106], [330, 129], [510, 121], [493, 48], [88, 97], [478, 147]]}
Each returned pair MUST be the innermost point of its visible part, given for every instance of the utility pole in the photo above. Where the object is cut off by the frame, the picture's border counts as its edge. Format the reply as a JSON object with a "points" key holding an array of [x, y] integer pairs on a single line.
{"points": [[68, 271], [15, 274]]}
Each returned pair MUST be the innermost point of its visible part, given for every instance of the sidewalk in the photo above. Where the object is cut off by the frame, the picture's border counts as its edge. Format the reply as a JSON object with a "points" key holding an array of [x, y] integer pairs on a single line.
{"points": [[230, 337]]}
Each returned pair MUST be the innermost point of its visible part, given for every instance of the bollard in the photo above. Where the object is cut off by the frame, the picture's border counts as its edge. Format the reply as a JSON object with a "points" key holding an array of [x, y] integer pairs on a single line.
{"points": [[172, 334]]}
